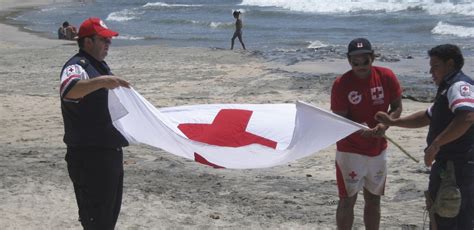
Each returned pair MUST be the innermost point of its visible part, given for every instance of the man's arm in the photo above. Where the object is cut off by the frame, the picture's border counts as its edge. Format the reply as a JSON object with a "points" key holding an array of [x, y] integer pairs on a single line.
{"points": [[396, 108], [85, 87], [415, 120], [394, 112], [459, 125]]}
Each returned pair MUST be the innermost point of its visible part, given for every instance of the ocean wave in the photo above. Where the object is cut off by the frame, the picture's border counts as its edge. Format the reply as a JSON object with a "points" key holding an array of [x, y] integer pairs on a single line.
{"points": [[240, 9], [123, 15], [162, 4], [450, 8], [49, 9], [216, 25], [211, 24], [129, 37], [458, 31], [464, 7], [316, 45]]}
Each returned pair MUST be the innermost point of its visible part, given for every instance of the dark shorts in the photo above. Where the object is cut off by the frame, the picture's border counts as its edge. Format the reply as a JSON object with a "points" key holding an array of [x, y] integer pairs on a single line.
{"points": [[97, 176], [464, 170]]}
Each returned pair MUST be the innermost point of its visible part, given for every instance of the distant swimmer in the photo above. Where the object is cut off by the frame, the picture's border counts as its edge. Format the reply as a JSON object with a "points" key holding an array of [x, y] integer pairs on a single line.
{"points": [[238, 29]]}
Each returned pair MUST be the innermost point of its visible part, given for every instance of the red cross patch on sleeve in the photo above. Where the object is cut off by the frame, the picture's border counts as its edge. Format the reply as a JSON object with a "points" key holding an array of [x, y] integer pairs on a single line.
{"points": [[72, 70], [465, 90]]}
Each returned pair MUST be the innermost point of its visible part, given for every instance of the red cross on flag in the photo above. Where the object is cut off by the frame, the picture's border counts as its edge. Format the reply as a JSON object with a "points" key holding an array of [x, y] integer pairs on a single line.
{"points": [[229, 135]]}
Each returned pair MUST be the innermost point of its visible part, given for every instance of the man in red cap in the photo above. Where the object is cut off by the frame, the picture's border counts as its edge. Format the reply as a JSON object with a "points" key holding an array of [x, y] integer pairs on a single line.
{"points": [[361, 162], [94, 147]]}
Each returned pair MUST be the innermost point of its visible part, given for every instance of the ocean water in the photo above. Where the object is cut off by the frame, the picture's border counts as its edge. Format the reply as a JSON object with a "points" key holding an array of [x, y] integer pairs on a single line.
{"points": [[395, 27], [288, 31]]}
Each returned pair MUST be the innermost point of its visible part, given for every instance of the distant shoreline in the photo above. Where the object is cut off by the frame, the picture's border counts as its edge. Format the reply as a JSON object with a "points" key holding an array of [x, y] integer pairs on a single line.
{"points": [[11, 8], [4, 19]]}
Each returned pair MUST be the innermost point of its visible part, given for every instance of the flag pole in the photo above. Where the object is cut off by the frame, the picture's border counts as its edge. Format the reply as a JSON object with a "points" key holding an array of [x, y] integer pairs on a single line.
{"points": [[402, 149]]}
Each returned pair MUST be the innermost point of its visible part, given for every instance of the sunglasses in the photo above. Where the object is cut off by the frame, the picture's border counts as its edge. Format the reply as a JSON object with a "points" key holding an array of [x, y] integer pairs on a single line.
{"points": [[364, 63], [102, 39]]}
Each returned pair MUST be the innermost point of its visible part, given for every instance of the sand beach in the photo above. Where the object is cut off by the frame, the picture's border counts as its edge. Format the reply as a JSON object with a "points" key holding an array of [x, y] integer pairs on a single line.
{"points": [[162, 191]]}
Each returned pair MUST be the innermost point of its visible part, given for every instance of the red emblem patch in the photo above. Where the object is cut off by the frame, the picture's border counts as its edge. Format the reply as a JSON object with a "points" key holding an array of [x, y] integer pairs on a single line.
{"points": [[465, 90]]}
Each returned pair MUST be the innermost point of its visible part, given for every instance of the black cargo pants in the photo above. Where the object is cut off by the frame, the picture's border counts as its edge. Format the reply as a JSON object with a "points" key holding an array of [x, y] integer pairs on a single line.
{"points": [[97, 176]]}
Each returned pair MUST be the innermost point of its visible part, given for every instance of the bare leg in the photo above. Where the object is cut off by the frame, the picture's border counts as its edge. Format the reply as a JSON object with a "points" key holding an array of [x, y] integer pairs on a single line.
{"points": [[371, 210], [232, 41], [345, 212], [241, 41]]}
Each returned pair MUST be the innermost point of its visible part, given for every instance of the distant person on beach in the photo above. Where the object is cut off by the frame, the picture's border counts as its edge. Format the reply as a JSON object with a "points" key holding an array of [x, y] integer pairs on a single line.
{"points": [[94, 147], [361, 158], [238, 30], [450, 138], [67, 32]]}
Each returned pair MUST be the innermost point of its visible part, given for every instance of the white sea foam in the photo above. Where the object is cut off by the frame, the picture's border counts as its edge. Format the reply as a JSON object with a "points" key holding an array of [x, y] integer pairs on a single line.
{"points": [[162, 4], [449, 8], [48, 9], [215, 24], [241, 10], [123, 15], [464, 7], [316, 44], [221, 24], [129, 37], [458, 31]]}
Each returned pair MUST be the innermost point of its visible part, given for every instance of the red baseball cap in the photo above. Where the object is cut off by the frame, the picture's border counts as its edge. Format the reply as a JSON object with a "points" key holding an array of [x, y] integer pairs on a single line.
{"points": [[93, 26]]}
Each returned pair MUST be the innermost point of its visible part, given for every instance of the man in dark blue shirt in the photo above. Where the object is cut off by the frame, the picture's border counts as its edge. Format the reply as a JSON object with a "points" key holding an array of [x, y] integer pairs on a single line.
{"points": [[94, 146], [451, 131]]}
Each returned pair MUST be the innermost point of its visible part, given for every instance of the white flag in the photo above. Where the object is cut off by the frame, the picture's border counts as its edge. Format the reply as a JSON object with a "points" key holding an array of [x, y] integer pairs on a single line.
{"points": [[229, 135]]}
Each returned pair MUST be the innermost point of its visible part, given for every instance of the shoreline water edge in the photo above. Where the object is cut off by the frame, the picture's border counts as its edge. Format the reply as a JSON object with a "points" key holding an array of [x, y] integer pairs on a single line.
{"points": [[162, 191], [409, 64]]}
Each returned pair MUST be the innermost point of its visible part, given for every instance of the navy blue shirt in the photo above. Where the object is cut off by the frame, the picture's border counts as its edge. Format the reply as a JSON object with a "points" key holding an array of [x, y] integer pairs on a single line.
{"points": [[87, 121], [455, 93]]}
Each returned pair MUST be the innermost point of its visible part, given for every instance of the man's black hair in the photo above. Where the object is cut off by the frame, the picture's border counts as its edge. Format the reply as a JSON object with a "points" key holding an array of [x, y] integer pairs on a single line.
{"points": [[80, 41], [446, 52], [65, 24]]}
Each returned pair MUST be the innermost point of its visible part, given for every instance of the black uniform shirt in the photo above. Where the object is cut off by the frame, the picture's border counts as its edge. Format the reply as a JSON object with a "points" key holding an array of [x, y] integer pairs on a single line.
{"points": [[87, 121], [455, 93]]}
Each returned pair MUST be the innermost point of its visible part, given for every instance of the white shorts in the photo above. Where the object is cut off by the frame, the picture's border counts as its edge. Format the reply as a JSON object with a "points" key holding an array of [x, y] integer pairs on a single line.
{"points": [[355, 171]]}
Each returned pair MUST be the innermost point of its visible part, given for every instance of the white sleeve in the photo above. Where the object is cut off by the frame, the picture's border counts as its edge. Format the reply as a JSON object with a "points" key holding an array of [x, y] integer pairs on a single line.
{"points": [[429, 112], [70, 75], [461, 96]]}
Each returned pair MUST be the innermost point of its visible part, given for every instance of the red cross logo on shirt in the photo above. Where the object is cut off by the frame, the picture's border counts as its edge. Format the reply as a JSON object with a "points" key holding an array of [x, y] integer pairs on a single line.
{"points": [[227, 129], [352, 174], [377, 93]]}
